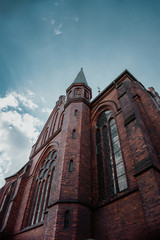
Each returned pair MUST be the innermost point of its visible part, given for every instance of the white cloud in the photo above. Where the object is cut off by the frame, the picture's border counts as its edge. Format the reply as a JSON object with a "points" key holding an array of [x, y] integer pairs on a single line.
{"points": [[46, 110], [30, 93], [25, 123], [5, 164], [12, 100], [25, 100], [58, 30], [8, 100], [18, 131]]}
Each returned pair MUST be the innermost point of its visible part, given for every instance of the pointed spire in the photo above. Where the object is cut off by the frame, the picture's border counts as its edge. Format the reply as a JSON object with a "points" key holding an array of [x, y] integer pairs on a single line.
{"points": [[81, 78]]}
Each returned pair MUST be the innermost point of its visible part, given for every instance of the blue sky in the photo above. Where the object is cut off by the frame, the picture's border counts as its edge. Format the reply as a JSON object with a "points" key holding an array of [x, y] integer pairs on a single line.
{"points": [[43, 45]]}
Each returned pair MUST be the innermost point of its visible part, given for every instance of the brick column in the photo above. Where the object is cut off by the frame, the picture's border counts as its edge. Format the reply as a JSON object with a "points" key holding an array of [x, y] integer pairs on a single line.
{"points": [[146, 161]]}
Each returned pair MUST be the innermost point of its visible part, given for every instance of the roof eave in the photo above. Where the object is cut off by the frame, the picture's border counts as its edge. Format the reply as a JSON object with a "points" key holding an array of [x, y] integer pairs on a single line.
{"points": [[125, 72]]}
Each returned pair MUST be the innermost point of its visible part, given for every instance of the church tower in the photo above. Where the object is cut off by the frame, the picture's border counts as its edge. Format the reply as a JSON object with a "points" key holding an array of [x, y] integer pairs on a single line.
{"points": [[74, 190], [93, 172]]}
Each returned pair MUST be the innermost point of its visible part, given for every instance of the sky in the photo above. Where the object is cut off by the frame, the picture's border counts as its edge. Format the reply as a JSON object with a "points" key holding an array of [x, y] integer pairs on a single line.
{"points": [[44, 44]]}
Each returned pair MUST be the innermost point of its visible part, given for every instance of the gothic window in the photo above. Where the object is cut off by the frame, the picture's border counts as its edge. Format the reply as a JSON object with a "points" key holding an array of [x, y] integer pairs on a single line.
{"points": [[6, 202], [109, 157], [100, 165], [42, 188], [76, 112], [66, 219], [74, 134], [71, 165]]}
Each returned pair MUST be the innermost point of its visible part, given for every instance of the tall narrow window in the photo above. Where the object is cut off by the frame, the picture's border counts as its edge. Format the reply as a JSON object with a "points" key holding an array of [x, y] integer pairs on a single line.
{"points": [[66, 219], [54, 123], [100, 166], [118, 160], [45, 135], [74, 134], [76, 112], [109, 157], [6, 202], [61, 120], [71, 165], [86, 95], [42, 188]]}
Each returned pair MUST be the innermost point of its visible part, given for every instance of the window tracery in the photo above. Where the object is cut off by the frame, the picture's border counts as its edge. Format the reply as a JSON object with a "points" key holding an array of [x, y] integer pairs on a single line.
{"points": [[6, 202], [109, 157], [42, 188]]}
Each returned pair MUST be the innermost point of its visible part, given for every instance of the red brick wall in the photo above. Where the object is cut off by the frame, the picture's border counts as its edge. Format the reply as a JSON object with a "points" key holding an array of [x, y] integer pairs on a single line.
{"points": [[133, 214], [122, 219]]}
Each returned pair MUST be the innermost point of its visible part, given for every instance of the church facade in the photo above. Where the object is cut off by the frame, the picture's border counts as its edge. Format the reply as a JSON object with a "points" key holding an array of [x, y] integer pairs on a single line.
{"points": [[94, 172]]}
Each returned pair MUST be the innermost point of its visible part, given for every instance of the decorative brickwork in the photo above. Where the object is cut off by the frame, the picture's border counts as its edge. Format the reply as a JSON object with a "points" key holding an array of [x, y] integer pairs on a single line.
{"points": [[105, 156]]}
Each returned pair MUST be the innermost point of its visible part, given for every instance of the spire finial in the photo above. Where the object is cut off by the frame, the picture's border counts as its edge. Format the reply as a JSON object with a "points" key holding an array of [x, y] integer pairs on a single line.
{"points": [[80, 77]]}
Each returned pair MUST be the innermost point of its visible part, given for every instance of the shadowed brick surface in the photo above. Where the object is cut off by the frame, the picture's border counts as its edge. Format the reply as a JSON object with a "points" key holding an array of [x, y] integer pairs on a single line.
{"points": [[132, 214]]}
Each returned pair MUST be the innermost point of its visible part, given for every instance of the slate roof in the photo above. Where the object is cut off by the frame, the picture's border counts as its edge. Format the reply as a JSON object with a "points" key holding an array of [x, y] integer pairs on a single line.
{"points": [[81, 78]]}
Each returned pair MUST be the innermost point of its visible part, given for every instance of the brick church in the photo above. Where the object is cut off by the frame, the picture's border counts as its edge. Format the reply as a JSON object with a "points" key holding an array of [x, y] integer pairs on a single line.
{"points": [[94, 172]]}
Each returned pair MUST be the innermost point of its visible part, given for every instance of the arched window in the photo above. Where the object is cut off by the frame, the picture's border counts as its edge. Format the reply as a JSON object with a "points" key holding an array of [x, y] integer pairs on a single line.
{"points": [[45, 136], [69, 95], [6, 202], [71, 165], [86, 95], [66, 219], [76, 112], [54, 123], [109, 157], [74, 134], [61, 120], [42, 188]]}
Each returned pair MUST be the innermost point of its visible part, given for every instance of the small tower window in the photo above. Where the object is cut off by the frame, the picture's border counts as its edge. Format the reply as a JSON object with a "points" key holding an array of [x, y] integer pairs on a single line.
{"points": [[66, 219], [74, 134], [71, 165], [86, 94], [76, 112], [69, 94]]}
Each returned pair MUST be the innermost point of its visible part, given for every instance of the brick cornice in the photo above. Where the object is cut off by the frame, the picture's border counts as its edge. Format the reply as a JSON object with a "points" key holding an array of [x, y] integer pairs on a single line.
{"points": [[75, 100], [70, 201]]}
